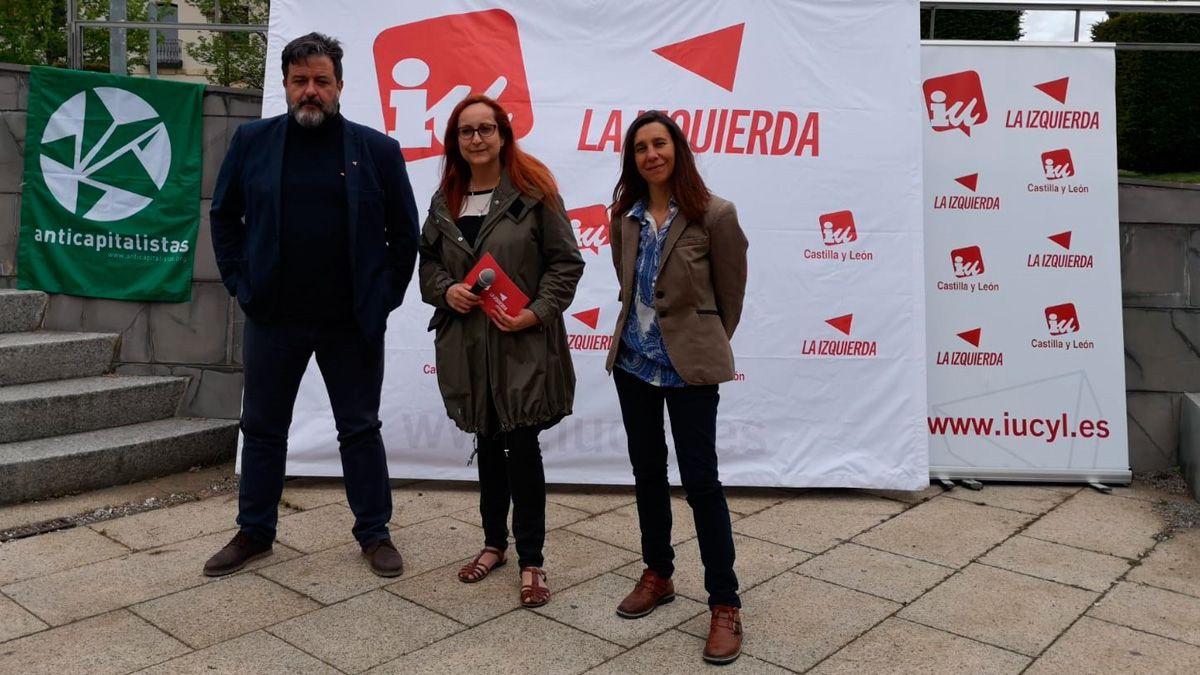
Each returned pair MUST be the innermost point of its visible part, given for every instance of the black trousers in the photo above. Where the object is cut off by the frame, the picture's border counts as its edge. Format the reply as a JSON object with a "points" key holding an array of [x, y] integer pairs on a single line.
{"points": [[693, 411], [510, 469], [275, 354]]}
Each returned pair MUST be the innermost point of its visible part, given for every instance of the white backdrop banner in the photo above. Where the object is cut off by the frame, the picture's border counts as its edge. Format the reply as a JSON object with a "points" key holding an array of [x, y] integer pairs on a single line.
{"points": [[1026, 357], [805, 113]]}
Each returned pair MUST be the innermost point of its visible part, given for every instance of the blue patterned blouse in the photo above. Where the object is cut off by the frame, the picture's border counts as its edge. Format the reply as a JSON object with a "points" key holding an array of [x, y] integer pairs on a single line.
{"points": [[643, 353]]}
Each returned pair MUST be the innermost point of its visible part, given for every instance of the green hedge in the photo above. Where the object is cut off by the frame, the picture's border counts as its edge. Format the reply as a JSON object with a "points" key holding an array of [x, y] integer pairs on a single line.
{"points": [[1158, 93], [967, 24]]}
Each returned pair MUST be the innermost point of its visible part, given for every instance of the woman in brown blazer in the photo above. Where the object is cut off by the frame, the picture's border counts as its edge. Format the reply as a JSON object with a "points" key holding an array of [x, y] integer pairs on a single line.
{"points": [[680, 257]]}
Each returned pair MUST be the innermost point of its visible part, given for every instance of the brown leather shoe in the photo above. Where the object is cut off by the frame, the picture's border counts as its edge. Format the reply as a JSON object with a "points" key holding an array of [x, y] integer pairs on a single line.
{"points": [[650, 592], [242, 549], [384, 559], [724, 643]]}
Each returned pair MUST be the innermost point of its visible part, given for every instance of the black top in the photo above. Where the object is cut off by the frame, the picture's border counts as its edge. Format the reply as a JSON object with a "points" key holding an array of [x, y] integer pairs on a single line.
{"points": [[313, 239], [469, 224]]}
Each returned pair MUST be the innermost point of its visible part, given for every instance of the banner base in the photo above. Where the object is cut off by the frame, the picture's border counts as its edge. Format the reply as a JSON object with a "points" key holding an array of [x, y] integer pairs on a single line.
{"points": [[1113, 476]]}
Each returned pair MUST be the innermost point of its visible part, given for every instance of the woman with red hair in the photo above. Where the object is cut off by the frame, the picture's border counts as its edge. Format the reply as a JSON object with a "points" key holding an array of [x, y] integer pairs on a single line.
{"points": [[503, 378]]}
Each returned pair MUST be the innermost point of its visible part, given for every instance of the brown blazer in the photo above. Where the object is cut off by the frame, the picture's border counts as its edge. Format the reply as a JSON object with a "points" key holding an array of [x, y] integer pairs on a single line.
{"points": [[699, 291]]}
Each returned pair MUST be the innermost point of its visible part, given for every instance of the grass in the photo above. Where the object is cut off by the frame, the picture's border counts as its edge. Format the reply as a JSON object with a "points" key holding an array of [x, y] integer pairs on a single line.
{"points": [[1178, 177]]}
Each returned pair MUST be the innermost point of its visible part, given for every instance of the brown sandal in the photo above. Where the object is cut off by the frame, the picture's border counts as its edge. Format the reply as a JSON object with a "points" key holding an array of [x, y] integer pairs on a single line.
{"points": [[476, 571], [537, 593]]}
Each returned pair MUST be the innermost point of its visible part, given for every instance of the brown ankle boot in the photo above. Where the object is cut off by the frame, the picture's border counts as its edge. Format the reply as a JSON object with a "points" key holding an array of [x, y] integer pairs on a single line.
{"points": [[724, 635]]}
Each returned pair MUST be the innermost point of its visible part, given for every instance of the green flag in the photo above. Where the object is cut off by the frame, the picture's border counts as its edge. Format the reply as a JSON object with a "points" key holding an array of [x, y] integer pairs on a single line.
{"points": [[111, 201]]}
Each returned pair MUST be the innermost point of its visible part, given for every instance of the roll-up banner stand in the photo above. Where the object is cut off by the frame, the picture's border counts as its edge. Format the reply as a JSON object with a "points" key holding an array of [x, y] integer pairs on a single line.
{"points": [[1025, 348]]}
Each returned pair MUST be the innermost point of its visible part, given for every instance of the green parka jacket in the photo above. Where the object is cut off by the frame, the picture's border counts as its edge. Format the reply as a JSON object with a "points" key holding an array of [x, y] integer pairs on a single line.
{"points": [[529, 373]]}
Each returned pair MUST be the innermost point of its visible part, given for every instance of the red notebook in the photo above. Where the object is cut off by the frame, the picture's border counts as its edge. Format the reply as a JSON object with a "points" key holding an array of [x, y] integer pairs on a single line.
{"points": [[503, 293]]}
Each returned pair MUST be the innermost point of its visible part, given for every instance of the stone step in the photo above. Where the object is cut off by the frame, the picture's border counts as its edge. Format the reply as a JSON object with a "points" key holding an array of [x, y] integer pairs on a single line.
{"points": [[48, 467], [46, 409], [49, 355], [21, 310]]}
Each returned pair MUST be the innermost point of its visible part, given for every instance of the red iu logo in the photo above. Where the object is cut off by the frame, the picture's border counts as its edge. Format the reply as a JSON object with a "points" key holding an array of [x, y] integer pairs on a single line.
{"points": [[425, 68], [838, 228], [591, 223], [1057, 164], [967, 261], [955, 102], [841, 323], [589, 317], [713, 56], [1062, 319]]}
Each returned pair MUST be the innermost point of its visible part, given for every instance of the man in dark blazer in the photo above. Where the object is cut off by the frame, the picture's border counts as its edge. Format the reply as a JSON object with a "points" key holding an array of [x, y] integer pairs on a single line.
{"points": [[315, 232]]}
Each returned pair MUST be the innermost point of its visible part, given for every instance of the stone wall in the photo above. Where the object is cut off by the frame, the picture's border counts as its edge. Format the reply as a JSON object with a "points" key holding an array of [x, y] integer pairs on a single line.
{"points": [[201, 338], [1160, 254]]}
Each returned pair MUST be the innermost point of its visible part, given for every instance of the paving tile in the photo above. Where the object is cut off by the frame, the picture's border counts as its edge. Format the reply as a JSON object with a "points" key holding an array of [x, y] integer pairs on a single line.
{"points": [[557, 516], [912, 497], [757, 561], [1139, 489], [1001, 608], [619, 527], [1101, 523], [1055, 562], [748, 501], [1093, 647], [1035, 499], [196, 480], [945, 531], [365, 631], [794, 622], [224, 609], [1173, 564], [257, 653], [167, 526], [591, 607], [431, 499], [317, 529], [28, 513], [119, 582], [879, 573], [89, 647], [16, 622], [1152, 610], [534, 644], [901, 647], [53, 552], [677, 652], [570, 559], [338, 573], [309, 493], [591, 498], [819, 520]]}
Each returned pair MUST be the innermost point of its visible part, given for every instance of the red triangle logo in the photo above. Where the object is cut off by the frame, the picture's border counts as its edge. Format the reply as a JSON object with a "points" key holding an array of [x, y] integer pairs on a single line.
{"points": [[1055, 89], [590, 317], [841, 323], [1063, 239], [970, 182], [713, 56], [972, 336]]}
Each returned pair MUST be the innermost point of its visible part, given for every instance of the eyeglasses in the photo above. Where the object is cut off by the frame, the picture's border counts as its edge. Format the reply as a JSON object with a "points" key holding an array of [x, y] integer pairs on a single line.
{"points": [[484, 131]]}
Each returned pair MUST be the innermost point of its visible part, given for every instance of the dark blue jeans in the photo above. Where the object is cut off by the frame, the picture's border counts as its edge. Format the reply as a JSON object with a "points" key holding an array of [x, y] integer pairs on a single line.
{"points": [[693, 411], [275, 354]]}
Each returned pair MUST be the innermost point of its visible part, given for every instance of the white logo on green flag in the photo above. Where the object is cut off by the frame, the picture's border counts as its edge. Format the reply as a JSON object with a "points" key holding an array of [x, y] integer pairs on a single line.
{"points": [[110, 205]]}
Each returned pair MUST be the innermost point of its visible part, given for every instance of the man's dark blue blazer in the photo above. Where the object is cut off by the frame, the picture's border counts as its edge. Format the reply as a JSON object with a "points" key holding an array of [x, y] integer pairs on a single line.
{"points": [[381, 216]]}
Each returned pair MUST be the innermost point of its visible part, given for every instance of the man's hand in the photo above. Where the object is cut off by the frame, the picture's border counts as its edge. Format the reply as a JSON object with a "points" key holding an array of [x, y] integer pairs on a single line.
{"points": [[461, 299], [512, 324]]}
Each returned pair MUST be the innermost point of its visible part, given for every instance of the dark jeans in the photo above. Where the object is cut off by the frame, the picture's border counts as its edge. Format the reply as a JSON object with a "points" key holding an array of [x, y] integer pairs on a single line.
{"points": [[515, 475], [693, 411], [275, 354]]}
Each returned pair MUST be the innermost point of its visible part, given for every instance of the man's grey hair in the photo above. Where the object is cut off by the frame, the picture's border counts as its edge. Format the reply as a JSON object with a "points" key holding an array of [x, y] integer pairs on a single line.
{"points": [[313, 44]]}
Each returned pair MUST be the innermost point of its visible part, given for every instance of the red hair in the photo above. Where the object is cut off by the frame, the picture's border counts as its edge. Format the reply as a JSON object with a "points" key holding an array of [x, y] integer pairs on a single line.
{"points": [[527, 173]]}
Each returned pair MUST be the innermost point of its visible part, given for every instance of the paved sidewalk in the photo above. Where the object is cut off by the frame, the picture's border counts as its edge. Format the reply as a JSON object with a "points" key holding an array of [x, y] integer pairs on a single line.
{"points": [[1010, 579]]}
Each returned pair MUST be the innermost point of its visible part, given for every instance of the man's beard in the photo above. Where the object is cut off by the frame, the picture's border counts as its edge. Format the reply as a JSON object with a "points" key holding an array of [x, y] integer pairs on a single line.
{"points": [[309, 117]]}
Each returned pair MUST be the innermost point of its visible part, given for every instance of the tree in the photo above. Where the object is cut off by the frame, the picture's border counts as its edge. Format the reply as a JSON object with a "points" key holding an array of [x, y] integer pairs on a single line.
{"points": [[237, 59], [1158, 104], [33, 32], [969, 24]]}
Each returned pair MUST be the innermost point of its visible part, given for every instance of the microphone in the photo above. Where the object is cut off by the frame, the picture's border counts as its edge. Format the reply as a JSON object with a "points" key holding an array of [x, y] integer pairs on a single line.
{"points": [[487, 276]]}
